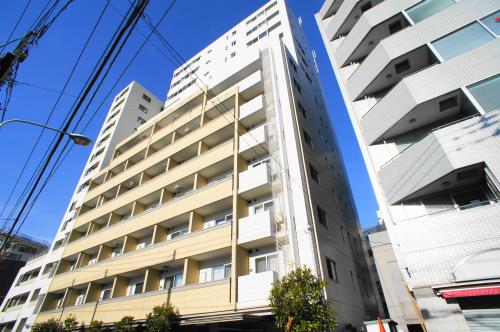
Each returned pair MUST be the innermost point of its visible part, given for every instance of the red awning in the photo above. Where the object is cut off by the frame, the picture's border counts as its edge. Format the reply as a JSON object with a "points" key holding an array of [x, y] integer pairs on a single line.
{"points": [[484, 291]]}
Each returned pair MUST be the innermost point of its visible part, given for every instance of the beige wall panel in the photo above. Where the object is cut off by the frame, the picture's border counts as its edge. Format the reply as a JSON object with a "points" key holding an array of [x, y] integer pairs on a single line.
{"points": [[197, 243], [188, 203], [189, 301], [164, 153]]}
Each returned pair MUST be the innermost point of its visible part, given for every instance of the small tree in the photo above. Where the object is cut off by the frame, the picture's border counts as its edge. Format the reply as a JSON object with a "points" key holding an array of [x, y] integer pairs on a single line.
{"points": [[51, 325], [161, 319], [95, 326], [126, 324], [70, 323], [298, 304]]}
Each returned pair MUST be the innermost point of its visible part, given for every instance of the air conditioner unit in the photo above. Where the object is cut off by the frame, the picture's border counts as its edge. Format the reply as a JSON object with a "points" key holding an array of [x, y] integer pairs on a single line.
{"points": [[73, 267], [59, 303], [141, 245], [92, 261]]}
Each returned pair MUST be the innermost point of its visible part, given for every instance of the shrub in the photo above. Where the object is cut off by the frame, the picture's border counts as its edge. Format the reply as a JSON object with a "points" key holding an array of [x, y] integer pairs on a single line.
{"points": [[161, 319], [126, 324], [298, 304]]}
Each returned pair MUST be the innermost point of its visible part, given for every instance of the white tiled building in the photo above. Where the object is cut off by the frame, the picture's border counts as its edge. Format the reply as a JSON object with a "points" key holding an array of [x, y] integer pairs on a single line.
{"points": [[421, 83]]}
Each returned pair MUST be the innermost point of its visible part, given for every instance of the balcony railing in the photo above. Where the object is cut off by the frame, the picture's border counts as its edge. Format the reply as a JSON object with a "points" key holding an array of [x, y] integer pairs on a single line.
{"points": [[427, 134]]}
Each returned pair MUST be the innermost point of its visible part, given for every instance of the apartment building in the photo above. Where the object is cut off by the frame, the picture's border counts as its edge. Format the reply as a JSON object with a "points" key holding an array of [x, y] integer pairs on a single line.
{"points": [[237, 181], [420, 80], [131, 108], [20, 249]]}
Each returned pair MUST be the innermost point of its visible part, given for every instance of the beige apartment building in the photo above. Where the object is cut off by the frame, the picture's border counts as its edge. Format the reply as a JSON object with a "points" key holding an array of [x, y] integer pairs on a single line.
{"points": [[238, 180]]}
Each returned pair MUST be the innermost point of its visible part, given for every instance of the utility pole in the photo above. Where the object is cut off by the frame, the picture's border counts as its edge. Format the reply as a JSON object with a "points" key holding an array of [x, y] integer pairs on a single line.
{"points": [[9, 60]]}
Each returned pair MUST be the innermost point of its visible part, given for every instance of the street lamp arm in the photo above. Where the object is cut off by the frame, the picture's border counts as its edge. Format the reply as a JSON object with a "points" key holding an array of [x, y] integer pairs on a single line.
{"points": [[77, 138], [32, 123]]}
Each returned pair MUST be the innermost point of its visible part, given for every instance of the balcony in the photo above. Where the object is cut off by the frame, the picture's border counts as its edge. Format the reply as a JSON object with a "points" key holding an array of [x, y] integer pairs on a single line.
{"points": [[346, 17], [420, 95], [379, 71], [189, 245], [431, 163], [254, 143], [206, 297], [373, 26], [173, 208], [253, 111], [251, 86], [256, 230], [254, 289], [255, 182]]}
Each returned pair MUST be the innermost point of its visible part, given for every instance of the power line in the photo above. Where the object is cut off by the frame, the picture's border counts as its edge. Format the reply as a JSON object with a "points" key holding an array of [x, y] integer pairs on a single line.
{"points": [[131, 22], [15, 27], [53, 109], [59, 161], [121, 24]]}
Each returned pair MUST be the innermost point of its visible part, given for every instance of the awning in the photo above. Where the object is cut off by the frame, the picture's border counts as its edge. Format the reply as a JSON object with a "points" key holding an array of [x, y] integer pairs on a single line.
{"points": [[469, 292]]}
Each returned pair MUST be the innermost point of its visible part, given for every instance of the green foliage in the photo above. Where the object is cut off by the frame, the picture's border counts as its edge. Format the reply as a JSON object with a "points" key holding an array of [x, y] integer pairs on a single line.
{"points": [[70, 323], [298, 304], [126, 324], [95, 326], [51, 325], [161, 319]]}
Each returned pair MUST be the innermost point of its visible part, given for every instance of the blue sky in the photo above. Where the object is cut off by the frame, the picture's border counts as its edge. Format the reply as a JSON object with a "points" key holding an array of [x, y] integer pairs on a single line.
{"points": [[189, 27]]}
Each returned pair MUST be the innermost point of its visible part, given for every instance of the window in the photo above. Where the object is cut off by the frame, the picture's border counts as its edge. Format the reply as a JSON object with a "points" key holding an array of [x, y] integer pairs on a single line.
{"points": [[266, 263], [72, 206], [448, 103], [292, 64], [352, 281], [402, 66], [365, 7], [297, 86], [492, 23], [146, 98], [233, 33], [141, 120], [261, 207], [233, 43], [302, 110], [307, 138], [486, 93], [143, 109], [83, 186], [233, 54], [331, 267], [462, 40], [395, 27], [138, 288], [65, 224], [314, 173], [105, 294], [321, 215], [427, 8]]}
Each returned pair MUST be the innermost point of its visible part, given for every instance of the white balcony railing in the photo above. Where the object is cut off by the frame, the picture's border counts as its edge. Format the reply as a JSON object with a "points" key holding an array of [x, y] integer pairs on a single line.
{"points": [[253, 111], [255, 182], [253, 143], [254, 289], [256, 229]]}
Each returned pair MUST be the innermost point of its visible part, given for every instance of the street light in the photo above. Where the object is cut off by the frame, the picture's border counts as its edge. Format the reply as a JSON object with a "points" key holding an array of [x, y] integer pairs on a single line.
{"points": [[76, 138]]}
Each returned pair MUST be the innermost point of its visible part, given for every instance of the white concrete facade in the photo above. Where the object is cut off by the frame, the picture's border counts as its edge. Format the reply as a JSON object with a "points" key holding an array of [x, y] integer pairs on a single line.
{"points": [[275, 33], [419, 80], [123, 117]]}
